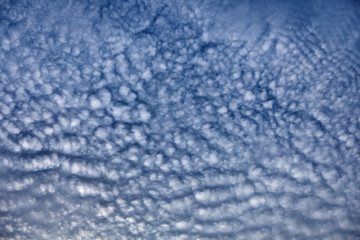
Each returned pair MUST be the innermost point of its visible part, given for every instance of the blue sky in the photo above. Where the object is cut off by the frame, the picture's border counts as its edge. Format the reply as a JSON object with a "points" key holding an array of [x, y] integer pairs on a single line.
{"points": [[179, 120]]}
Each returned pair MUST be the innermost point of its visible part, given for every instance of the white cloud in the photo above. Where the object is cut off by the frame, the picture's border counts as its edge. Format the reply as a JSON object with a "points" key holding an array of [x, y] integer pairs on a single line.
{"points": [[95, 102]]}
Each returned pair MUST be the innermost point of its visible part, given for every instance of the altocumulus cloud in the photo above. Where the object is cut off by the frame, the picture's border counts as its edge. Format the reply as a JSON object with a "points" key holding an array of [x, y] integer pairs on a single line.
{"points": [[179, 119]]}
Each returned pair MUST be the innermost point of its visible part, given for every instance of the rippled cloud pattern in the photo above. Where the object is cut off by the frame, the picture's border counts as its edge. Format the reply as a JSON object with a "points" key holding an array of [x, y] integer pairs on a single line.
{"points": [[202, 119]]}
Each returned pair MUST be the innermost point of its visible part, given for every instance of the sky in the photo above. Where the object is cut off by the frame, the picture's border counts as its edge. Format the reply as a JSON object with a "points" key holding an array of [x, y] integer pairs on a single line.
{"points": [[202, 119]]}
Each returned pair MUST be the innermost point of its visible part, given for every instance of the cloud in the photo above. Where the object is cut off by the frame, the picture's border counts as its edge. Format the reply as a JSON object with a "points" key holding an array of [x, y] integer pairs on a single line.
{"points": [[186, 120]]}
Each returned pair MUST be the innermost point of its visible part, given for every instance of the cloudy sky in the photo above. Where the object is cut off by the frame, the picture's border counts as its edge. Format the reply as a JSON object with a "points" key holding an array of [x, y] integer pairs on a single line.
{"points": [[202, 119]]}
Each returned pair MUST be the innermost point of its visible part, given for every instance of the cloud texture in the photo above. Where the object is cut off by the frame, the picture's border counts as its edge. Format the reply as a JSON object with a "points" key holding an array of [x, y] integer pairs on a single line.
{"points": [[179, 120]]}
